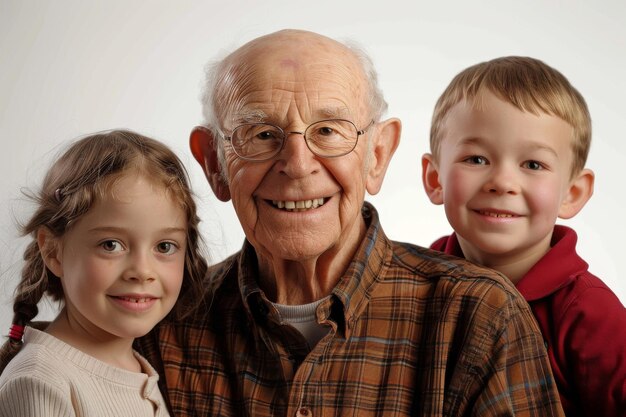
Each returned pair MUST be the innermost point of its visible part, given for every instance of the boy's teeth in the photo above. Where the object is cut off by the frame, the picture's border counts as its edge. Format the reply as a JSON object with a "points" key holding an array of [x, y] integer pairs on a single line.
{"points": [[300, 205], [488, 213]]}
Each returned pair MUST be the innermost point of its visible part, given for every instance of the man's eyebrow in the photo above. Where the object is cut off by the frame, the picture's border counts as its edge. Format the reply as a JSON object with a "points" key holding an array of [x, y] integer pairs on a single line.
{"points": [[259, 116], [250, 116]]}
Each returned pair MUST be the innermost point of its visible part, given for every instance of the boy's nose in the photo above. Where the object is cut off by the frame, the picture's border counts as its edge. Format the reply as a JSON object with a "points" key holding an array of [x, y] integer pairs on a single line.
{"points": [[502, 181]]}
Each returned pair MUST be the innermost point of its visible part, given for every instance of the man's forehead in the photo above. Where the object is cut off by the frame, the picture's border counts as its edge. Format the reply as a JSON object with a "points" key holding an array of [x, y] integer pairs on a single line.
{"points": [[322, 87], [315, 95]]}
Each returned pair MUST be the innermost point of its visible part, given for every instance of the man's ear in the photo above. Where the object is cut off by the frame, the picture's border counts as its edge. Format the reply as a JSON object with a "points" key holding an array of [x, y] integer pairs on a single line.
{"points": [[51, 250], [385, 144], [430, 179], [579, 192], [204, 149]]}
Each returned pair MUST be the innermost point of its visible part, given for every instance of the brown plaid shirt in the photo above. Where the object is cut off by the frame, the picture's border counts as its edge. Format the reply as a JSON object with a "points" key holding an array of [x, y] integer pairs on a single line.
{"points": [[414, 333]]}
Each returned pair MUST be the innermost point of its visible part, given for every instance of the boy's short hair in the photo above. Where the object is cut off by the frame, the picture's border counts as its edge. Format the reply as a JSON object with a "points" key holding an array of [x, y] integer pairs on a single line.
{"points": [[527, 83]]}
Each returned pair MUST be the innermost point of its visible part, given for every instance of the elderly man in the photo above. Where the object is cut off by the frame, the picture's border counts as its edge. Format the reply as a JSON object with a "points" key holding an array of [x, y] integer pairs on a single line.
{"points": [[320, 314]]}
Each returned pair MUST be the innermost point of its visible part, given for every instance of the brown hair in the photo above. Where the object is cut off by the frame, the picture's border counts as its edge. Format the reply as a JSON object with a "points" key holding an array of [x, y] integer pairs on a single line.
{"points": [[528, 84], [82, 175]]}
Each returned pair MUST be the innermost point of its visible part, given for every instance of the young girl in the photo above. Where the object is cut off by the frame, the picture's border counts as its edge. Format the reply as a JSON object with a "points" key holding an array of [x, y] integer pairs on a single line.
{"points": [[115, 238]]}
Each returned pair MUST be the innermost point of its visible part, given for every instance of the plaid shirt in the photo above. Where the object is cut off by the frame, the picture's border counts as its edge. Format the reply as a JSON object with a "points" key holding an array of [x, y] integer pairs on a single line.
{"points": [[413, 333]]}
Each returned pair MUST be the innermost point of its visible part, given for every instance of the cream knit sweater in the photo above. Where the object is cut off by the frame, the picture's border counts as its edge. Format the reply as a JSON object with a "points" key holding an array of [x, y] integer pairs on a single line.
{"points": [[49, 378]]}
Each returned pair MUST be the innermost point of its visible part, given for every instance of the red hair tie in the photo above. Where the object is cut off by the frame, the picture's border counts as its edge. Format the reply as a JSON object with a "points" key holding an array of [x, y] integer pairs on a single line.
{"points": [[16, 332]]}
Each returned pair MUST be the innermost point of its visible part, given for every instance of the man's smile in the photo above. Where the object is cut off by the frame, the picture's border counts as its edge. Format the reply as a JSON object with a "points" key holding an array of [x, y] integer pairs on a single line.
{"points": [[299, 205]]}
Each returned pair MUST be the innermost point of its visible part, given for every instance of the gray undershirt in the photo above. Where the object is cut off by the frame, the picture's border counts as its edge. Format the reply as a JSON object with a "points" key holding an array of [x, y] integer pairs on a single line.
{"points": [[302, 318]]}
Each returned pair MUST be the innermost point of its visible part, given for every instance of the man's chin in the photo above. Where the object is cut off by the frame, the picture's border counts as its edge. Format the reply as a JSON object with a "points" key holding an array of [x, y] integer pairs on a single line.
{"points": [[293, 248]]}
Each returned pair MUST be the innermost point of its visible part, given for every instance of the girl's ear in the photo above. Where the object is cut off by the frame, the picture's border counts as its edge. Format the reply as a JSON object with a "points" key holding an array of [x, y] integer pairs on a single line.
{"points": [[579, 192], [430, 179], [51, 250]]}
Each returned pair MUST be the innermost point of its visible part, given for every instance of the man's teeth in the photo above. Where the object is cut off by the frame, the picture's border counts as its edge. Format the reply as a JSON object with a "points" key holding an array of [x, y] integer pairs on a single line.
{"points": [[300, 205]]}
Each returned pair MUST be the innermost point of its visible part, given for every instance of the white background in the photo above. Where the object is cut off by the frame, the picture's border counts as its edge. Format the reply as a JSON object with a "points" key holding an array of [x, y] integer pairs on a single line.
{"points": [[69, 68]]}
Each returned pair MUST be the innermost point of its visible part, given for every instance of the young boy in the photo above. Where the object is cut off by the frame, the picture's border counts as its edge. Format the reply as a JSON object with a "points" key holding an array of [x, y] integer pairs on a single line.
{"points": [[509, 142]]}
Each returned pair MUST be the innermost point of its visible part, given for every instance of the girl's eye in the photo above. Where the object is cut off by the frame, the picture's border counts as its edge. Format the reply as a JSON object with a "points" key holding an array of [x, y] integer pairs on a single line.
{"points": [[111, 246], [533, 165], [476, 160], [166, 248]]}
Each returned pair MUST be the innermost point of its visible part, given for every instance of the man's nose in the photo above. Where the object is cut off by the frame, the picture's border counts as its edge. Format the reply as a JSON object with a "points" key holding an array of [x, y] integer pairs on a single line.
{"points": [[296, 159]]}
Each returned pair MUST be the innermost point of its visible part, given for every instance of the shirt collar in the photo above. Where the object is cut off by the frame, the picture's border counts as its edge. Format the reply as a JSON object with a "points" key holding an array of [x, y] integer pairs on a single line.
{"points": [[351, 295], [555, 269], [366, 270]]}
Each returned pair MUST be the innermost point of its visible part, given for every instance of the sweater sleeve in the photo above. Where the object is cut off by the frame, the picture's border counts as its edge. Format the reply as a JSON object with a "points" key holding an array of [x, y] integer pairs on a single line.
{"points": [[25, 396]]}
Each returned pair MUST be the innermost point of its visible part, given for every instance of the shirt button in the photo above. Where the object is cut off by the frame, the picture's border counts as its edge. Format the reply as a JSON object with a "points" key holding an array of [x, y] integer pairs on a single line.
{"points": [[304, 412]]}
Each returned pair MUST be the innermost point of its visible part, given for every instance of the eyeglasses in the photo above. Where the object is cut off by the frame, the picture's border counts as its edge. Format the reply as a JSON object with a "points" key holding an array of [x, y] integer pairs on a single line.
{"points": [[326, 138]]}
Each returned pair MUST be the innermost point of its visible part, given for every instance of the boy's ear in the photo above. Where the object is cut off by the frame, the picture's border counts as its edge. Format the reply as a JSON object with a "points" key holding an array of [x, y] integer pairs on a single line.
{"points": [[385, 144], [51, 251], [204, 149], [579, 192], [430, 179]]}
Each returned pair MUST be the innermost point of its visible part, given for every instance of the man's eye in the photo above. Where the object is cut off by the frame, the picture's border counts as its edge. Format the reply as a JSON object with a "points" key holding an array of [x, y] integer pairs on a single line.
{"points": [[326, 131], [266, 135], [111, 246], [476, 160], [167, 248]]}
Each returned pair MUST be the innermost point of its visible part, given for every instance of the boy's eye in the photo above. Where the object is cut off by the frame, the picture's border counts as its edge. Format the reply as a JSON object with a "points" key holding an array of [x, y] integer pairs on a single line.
{"points": [[111, 246], [533, 165], [476, 160], [167, 248]]}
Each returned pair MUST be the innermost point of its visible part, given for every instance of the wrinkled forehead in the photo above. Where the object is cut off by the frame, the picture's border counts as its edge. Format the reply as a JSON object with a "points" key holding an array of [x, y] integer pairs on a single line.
{"points": [[281, 79]]}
